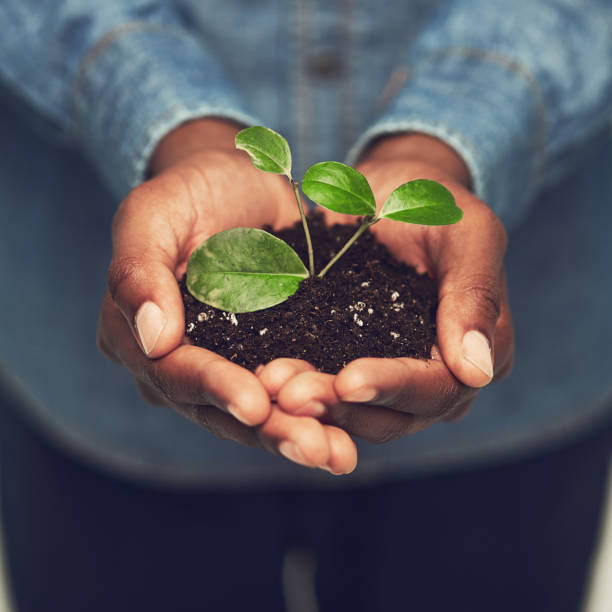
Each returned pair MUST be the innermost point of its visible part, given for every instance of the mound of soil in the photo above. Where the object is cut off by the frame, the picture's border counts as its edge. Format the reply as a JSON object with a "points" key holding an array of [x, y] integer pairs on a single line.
{"points": [[368, 305]]}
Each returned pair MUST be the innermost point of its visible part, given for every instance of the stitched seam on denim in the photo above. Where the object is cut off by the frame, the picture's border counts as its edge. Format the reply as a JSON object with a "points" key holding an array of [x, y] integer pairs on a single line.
{"points": [[346, 108], [98, 48], [303, 115], [397, 79], [518, 69]]}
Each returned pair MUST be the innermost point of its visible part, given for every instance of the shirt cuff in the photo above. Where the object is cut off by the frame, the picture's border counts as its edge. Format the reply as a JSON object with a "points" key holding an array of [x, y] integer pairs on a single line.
{"points": [[489, 109], [136, 85]]}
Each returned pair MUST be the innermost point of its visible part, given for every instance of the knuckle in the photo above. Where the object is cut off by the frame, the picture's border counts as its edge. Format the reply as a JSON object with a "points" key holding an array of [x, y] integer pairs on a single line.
{"points": [[450, 394], [121, 270], [484, 293], [158, 380]]}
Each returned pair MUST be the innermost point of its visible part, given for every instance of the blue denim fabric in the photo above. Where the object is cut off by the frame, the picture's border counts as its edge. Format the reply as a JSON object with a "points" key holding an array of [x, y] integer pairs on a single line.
{"points": [[522, 90], [513, 86]]}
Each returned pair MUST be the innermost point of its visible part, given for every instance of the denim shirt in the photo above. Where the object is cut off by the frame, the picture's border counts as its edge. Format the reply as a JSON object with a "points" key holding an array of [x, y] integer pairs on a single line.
{"points": [[522, 90]]}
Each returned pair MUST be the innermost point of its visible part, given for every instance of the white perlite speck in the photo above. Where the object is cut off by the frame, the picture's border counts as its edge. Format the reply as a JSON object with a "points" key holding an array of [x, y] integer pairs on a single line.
{"points": [[395, 335], [231, 317], [202, 317], [357, 320], [359, 306], [394, 296], [370, 311], [263, 331], [365, 284], [190, 327]]}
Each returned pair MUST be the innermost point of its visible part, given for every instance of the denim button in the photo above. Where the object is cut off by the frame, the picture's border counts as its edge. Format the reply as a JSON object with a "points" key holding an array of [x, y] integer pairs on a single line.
{"points": [[324, 65]]}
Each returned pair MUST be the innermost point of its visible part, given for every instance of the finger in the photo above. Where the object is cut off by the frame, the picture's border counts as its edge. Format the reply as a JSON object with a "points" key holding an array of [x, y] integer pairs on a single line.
{"points": [[141, 276], [300, 439], [187, 375], [423, 388], [276, 373], [459, 412], [470, 301], [308, 393], [342, 451], [373, 423]]}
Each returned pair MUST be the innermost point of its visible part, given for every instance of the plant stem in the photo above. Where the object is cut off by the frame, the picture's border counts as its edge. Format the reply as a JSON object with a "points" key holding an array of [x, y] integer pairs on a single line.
{"points": [[298, 199], [367, 221]]}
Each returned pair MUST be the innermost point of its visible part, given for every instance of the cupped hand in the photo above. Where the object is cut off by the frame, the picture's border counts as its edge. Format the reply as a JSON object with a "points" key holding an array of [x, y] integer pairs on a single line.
{"points": [[383, 399], [201, 185]]}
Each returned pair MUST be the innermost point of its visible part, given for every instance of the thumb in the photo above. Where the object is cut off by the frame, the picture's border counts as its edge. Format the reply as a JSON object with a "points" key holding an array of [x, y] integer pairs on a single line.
{"points": [[470, 301], [141, 278]]}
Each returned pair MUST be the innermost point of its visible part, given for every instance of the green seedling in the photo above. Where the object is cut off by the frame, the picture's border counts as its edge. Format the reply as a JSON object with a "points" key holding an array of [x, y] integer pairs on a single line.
{"points": [[247, 269]]}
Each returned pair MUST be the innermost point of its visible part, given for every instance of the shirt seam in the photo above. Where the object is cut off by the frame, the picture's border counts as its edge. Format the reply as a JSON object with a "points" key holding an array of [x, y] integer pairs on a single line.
{"points": [[97, 49], [519, 69]]}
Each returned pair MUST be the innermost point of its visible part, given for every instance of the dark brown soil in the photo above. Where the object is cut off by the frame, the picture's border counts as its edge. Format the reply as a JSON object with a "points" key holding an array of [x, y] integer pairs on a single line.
{"points": [[368, 305]]}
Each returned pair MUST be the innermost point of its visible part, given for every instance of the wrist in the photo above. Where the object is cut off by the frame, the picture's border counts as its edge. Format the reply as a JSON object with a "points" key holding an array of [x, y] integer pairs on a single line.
{"points": [[193, 137], [415, 146]]}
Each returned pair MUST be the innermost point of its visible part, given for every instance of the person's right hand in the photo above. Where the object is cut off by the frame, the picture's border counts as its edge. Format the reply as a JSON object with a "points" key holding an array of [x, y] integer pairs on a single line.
{"points": [[201, 185]]}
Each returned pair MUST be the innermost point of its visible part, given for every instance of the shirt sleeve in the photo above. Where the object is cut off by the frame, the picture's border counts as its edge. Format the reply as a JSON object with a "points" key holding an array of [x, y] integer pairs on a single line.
{"points": [[513, 87], [113, 76]]}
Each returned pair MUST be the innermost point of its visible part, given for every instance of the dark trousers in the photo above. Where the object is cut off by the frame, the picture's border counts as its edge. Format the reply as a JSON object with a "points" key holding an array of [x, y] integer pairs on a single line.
{"points": [[511, 537]]}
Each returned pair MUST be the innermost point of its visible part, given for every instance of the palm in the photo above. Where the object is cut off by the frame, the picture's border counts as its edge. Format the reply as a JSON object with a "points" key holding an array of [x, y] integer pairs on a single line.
{"points": [[154, 231], [214, 191]]}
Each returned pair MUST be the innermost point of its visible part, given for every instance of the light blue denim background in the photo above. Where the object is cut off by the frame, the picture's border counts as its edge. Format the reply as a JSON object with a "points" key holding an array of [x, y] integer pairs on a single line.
{"points": [[523, 90]]}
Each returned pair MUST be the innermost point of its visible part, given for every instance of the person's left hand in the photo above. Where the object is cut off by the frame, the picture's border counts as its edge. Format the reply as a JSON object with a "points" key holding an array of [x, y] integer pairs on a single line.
{"points": [[383, 399]]}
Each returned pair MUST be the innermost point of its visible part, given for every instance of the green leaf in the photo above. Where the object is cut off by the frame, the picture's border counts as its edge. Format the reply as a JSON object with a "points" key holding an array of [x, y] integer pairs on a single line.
{"points": [[339, 188], [244, 269], [268, 150], [424, 202]]}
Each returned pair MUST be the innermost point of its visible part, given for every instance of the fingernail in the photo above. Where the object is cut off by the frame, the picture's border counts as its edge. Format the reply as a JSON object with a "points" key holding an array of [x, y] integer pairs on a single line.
{"points": [[476, 351], [150, 321], [363, 394], [313, 408], [291, 452]]}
